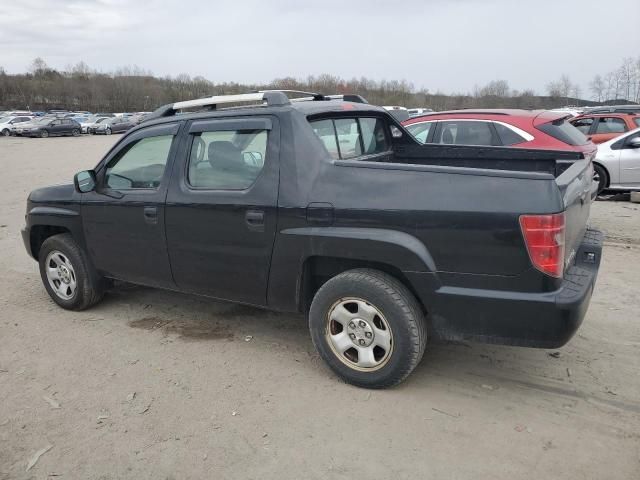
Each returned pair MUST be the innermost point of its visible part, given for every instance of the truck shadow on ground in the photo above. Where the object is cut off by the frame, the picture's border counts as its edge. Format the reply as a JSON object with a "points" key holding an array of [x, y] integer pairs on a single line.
{"points": [[471, 368], [194, 318]]}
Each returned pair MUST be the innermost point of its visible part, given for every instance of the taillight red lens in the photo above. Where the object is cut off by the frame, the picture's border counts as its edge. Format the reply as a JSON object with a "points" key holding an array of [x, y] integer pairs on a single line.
{"points": [[544, 237]]}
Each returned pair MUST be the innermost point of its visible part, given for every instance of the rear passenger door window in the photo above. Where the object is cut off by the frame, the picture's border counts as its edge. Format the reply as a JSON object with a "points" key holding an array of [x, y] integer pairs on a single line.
{"points": [[349, 138], [227, 159], [611, 125], [326, 132], [346, 138], [466, 132]]}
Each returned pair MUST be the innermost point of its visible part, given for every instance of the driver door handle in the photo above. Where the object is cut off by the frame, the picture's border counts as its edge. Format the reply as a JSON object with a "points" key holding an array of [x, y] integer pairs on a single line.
{"points": [[151, 215], [255, 220]]}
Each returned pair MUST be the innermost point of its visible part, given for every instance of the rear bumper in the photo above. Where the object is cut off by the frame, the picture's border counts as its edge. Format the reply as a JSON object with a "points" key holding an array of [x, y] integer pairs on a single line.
{"points": [[545, 320]]}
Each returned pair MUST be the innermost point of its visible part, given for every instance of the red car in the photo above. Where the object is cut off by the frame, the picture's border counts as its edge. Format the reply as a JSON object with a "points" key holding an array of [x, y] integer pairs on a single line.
{"points": [[602, 127], [514, 128]]}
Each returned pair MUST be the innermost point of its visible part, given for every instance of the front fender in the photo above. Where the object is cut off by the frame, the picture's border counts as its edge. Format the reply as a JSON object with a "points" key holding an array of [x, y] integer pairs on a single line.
{"points": [[42, 221]]}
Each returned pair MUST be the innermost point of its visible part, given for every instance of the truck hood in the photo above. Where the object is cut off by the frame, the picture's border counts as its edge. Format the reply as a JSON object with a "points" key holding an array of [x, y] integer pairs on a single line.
{"points": [[56, 193]]}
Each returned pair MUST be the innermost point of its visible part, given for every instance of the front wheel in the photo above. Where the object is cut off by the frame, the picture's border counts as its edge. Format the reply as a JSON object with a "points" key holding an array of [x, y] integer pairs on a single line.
{"points": [[600, 176], [75, 132], [368, 328], [6, 132], [107, 131], [44, 134], [67, 276]]}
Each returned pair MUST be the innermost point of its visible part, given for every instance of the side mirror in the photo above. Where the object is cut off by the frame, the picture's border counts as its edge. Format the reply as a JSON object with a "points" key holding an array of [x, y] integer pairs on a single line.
{"points": [[634, 142], [85, 181], [396, 132]]}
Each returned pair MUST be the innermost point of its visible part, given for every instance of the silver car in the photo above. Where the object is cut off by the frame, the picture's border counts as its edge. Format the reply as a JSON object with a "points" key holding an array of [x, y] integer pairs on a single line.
{"points": [[617, 162]]}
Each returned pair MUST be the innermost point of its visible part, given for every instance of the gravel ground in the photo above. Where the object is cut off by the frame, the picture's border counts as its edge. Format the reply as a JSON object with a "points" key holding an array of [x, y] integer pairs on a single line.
{"points": [[152, 384]]}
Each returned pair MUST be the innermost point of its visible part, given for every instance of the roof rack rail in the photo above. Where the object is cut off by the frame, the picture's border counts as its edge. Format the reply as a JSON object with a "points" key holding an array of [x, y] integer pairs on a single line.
{"points": [[307, 95], [270, 98], [348, 97]]}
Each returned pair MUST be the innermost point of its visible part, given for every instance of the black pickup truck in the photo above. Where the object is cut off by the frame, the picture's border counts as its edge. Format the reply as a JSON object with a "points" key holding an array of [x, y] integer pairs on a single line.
{"points": [[330, 208]]}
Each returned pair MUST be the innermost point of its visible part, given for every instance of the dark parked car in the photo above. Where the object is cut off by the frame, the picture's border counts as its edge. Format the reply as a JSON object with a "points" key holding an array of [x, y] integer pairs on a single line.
{"points": [[334, 210], [113, 125], [49, 127]]}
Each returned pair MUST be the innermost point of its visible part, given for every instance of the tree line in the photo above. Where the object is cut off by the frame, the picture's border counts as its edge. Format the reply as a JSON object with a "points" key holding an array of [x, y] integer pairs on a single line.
{"points": [[129, 89]]}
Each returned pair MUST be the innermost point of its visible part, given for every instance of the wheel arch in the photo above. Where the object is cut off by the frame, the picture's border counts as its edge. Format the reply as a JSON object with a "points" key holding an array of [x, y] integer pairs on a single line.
{"points": [[305, 258], [318, 269], [46, 221], [39, 233]]}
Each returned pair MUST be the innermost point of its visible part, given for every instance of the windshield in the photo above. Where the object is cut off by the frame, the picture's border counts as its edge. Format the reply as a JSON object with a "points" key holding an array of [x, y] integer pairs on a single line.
{"points": [[4, 119], [565, 132]]}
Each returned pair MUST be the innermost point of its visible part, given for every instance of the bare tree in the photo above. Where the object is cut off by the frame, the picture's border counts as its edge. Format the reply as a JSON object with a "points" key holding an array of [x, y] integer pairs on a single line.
{"points": [[598, 88]]}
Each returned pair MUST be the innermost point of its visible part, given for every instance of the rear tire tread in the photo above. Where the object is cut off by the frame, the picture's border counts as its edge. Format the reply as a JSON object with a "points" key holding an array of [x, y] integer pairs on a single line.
{"points": [[402, 298]]}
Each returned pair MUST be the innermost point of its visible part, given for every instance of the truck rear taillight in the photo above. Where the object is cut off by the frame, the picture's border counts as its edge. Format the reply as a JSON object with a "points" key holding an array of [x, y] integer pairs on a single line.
{"points": [[544, 237]]}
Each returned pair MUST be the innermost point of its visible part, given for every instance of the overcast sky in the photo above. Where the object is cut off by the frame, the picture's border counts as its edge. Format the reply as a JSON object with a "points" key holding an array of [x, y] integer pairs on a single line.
{"points": [[442, 45]]}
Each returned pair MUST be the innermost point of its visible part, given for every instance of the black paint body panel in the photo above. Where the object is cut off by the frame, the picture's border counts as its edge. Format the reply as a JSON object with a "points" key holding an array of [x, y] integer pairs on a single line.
{"points": [[444, 219]]}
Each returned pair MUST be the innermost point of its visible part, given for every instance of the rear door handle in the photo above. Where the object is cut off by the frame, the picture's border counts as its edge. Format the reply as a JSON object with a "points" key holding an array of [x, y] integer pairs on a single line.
{"points": [[255, 220], [151, 215]]}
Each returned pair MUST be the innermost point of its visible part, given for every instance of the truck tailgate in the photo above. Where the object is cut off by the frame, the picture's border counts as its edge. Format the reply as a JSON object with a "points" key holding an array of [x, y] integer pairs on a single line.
{"points": [[578, 191]]}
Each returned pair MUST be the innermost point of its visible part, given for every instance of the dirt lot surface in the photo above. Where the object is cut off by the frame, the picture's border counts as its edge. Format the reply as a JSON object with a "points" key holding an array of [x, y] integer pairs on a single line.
{"points": [[151, 384]]}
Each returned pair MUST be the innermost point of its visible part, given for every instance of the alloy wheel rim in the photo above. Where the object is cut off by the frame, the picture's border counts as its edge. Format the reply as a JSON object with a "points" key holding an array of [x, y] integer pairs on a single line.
{"points": [[359, 334], [61, 275]]}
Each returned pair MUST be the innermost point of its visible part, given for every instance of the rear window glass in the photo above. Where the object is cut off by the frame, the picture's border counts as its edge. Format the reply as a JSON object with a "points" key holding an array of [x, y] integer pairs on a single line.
{"points": [[564, 131]]}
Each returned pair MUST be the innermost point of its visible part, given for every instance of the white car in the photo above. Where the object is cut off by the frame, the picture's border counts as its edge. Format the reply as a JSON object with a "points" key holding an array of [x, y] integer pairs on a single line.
{"points": [[617, 162], [10, 121]]}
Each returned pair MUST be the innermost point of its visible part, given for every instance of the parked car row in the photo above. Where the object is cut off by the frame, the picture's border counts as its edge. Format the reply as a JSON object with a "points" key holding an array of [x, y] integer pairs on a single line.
{"points": [[58, 123]]}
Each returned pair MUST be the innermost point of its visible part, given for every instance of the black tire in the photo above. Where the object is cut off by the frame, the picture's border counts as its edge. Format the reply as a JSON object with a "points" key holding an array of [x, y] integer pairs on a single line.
{"points": [[602, 175], [75, 132], [107, 131], [44, 134], [6, 132], [90, 286], [400, 311]]}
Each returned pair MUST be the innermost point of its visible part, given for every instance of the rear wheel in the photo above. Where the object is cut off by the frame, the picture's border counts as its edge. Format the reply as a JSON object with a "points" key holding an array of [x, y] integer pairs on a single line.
{"points": [[67, 276], [44, 134], [600, 175], [368, 328]]}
